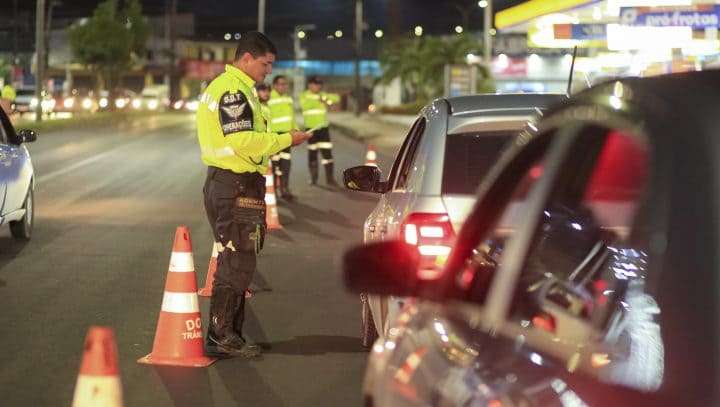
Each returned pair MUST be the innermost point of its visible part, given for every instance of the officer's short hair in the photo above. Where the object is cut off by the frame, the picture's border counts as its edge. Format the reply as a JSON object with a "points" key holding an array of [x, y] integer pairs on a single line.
{"points": [[256, 44], [262, 86], [315, 79], [277, 79]]}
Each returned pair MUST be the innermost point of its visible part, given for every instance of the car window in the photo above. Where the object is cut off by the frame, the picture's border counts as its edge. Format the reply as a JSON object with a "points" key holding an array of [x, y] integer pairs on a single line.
{"points": [[409, 158], [468, 157], [572, 269], [480, 267], [401, 153]]}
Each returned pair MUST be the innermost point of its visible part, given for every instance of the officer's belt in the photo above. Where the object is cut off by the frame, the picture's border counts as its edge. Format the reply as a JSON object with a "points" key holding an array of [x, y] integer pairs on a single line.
{"points": [[224, 176]]}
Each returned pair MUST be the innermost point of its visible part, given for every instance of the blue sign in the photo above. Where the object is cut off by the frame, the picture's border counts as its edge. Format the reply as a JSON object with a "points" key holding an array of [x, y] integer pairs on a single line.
{"points": [[698, 17]]}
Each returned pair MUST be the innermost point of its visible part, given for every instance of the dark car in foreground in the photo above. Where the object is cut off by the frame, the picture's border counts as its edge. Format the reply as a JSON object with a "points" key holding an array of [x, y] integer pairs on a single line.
{"points": [[17, 179], [602, 291]]}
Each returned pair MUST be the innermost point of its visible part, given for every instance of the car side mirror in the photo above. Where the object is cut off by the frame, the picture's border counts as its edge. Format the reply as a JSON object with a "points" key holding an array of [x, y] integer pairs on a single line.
{"points": [[364, 178], [383, 268], [26, 135]]}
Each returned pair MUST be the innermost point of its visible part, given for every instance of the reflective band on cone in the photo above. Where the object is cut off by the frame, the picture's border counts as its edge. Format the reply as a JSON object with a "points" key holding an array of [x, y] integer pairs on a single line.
{"points": [[98, 383], [210, 277], [271, 215], [179, 337]]}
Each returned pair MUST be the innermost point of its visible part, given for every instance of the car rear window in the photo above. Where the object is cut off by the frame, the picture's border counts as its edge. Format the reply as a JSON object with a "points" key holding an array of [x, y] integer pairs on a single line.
{"points": [[468, 158]]}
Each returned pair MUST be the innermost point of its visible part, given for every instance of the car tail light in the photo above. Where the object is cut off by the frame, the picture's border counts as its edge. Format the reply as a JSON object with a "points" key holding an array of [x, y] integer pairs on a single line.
{"points": [[433, 235], [545, 322]]}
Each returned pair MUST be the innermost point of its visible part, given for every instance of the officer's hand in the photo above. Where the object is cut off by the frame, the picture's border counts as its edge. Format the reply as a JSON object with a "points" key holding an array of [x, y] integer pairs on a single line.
{"points": [[299, 137]]}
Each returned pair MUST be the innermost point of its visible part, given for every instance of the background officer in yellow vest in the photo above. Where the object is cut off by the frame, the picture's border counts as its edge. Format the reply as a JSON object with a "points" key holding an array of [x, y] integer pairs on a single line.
{"points": [[235, 145], [7, 98], [282, 119], [314, 104]]}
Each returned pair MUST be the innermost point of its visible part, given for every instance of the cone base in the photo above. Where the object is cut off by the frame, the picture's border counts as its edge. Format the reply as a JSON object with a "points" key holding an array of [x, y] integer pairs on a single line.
{"points": [[274, 227], [205, 292], [199, 361]]}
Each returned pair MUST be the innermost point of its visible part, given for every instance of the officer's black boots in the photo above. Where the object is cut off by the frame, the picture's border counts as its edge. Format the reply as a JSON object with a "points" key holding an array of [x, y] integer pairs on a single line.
{"points": [[330, 175], [286, 194], [313, 173], [222, 339]]}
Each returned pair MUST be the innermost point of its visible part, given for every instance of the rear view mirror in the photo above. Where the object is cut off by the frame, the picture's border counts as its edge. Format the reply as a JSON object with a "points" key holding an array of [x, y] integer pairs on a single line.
{"points": [[26, 136], [364, 178], [384, 268]]}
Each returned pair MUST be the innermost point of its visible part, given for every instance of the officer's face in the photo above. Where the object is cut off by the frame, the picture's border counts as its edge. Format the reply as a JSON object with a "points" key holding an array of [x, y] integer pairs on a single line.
{"points": [[257, 68], [264, 95], [315, 87], [281, 86]]}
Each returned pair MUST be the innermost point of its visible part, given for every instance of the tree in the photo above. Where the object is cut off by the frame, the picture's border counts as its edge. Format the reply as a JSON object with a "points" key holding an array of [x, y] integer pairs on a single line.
{"points": [[111, 41], [420, 62]]}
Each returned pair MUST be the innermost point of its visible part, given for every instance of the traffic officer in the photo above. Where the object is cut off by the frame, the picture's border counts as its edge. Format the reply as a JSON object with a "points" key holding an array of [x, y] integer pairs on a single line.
{"points": [[7, 98], [314, 104], [282, 119], [235, 145], [263, 92]]}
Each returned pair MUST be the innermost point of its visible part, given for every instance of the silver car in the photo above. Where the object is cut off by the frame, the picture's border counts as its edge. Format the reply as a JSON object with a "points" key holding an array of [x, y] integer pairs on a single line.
{"points": [[431, 186]]}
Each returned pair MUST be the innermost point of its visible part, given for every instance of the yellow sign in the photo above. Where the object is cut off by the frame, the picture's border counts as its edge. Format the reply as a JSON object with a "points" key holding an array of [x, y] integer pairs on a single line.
{"points": [[533, 9]]}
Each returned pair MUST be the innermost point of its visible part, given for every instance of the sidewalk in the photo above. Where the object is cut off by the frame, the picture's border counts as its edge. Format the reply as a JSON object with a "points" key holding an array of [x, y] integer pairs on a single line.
{"points": [[385, 132]]}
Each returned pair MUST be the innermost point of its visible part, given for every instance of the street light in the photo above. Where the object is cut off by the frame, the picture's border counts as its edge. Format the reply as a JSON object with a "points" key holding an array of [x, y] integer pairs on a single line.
{"points": [[228, 36], [379, 33], [301, 34], [339, 33], [418, 31], [458, 29], [482, 3]]}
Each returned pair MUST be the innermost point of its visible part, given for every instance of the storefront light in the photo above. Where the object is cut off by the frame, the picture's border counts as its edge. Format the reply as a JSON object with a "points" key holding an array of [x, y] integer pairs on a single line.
{"points": [[622, 37]]}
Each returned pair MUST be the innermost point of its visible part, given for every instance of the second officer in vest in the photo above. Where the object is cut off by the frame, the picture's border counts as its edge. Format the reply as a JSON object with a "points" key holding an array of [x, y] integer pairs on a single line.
{"points": [[235, 146], [282, 119], [314, 104]]}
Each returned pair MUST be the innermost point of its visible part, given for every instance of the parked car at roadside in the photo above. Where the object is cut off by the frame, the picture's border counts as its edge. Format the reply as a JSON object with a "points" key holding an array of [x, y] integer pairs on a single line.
{"points": [[431, 186], [17, 179], [587, 272]]}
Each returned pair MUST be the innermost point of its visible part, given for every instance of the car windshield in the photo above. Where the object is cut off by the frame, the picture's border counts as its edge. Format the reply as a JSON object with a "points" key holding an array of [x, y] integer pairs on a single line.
{"points": [[469, 156]]}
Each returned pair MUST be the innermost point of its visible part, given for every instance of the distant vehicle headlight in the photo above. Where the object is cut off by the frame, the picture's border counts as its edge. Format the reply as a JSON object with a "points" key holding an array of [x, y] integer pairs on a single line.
{"points": [[137, 103], [87, 104], [120, 103], [103, 102], [33, 102], [69, 103], [47, 105], [178, 105], [192, 105], [153, 104]]}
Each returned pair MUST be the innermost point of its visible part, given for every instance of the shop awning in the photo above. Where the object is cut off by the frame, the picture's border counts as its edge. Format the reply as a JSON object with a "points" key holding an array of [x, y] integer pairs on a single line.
{"points": [[535, 8]]}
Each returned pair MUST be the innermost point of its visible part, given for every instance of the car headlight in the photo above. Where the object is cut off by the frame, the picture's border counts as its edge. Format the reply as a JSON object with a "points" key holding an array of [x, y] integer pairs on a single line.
{"points": [[69, 103], [87, 104], [103, 102], [178, 105], [120, 103], [192, 106], [136, 103], [33, 102], [153, 104]]}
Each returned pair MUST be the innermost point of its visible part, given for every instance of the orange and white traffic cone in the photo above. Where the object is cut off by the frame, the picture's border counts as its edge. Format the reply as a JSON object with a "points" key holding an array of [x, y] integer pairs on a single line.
{"points": [[210, 277], [179, 337], [271, 215], [98, 383], [371, 156]]}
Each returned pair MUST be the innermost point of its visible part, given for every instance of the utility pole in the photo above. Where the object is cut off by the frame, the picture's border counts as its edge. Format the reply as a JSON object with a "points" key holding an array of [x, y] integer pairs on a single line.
{"points": [[15, 34], [261, 16], [40, 56], [488, 25], [358, 54], [170, 12]]}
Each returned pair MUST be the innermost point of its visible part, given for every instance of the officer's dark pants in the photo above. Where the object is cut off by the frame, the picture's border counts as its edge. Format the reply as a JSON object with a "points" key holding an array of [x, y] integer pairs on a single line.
{"points": [[235, 206], [321, 141], [285, 161]]}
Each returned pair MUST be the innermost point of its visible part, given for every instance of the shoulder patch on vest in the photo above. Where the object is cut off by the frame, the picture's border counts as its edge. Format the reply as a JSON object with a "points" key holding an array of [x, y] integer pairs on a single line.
{"points": [[235, 113]]}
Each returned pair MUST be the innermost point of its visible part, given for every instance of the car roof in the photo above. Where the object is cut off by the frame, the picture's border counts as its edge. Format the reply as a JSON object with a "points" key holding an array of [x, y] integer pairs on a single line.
{"points": [[501, 104]]}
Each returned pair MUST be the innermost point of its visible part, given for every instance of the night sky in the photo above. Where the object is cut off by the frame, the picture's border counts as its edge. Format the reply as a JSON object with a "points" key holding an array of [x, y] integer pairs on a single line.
{"points": [[215, 17]]}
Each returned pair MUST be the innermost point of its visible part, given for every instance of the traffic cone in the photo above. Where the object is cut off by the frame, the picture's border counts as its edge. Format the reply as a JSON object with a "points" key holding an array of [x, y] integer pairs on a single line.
{"points": [[98, 383], [179, 337], [210, 277], [371, 156], [271, 215]]}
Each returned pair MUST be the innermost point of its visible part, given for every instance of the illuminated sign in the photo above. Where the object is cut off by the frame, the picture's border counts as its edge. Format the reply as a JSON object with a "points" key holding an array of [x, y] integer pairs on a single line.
{"points": [[580, 31], [697, 17]]}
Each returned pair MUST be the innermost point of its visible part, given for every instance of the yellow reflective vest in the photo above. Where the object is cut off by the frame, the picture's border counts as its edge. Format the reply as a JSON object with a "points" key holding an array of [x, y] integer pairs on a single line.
{"points": [[314, 108], [282, 113], [231, 128]]}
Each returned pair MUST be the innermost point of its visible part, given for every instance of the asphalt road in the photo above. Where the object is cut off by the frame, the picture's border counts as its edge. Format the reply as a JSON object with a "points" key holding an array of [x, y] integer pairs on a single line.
{"points": [[108, 202]]}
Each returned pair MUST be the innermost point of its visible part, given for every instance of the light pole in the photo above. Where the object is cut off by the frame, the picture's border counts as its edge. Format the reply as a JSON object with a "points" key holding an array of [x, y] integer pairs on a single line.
{"points": [[358, 54], [261, 16], [487, 51], [299, 53], [40, 56]]}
